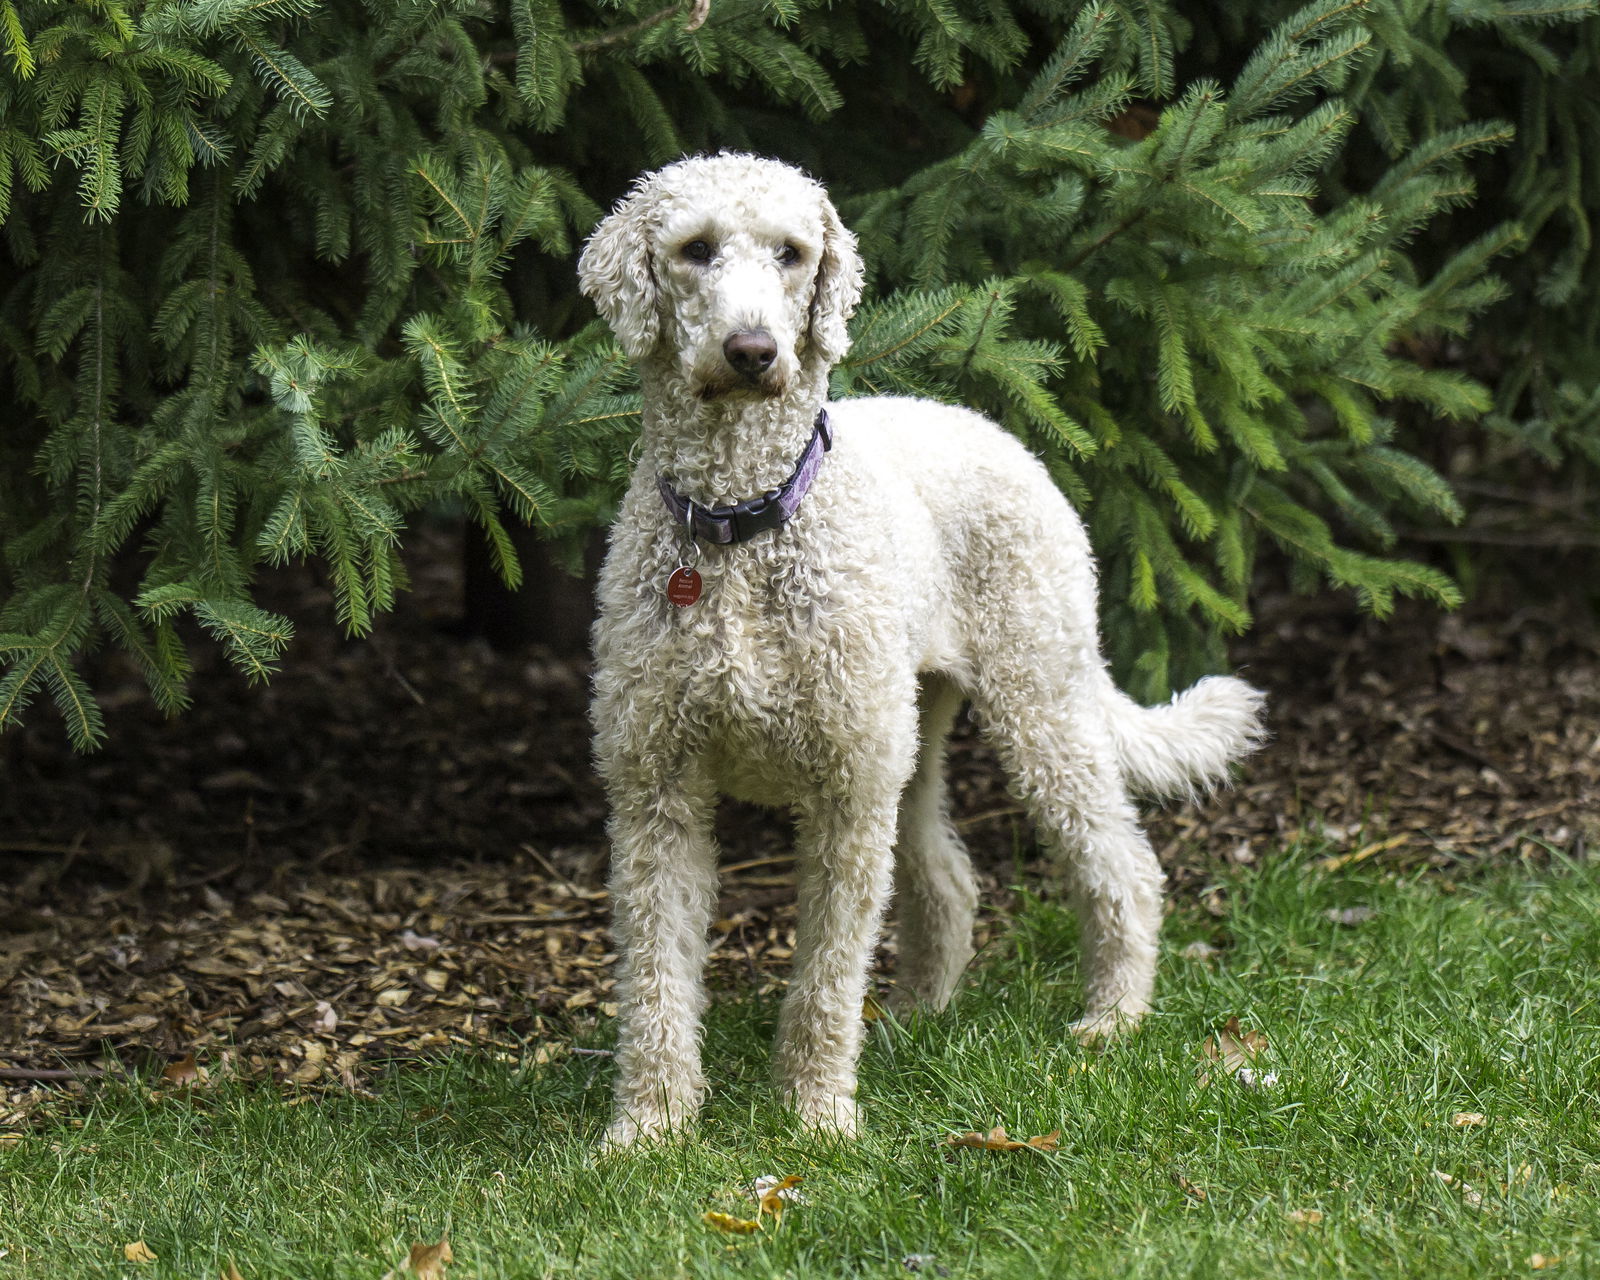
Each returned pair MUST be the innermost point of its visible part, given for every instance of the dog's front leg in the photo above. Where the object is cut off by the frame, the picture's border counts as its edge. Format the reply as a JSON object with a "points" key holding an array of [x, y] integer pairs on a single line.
{"points": [[663, 892], [846, 852]]}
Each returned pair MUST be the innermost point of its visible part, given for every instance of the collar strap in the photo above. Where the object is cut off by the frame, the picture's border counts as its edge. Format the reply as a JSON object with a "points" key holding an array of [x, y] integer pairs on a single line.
{"points": [[743, 520]]}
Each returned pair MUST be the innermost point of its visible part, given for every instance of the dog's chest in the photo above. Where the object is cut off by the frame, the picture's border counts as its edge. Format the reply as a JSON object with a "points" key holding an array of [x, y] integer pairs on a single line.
{"points": [[747, 651], [770, 674]]}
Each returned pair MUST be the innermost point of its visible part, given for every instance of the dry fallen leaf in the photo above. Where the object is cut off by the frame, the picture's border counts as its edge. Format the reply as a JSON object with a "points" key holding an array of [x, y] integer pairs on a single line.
{"points": [[1190, 1189], [1233, 1047], [306, 1073], [727, 1222], [428, 1261], [1539, 1261], [773, 1193], [996, 1140], [183, 1071], [1470, 1195], [138, 1251], [788, 1188], [232, 1273], [1467, 1119], [1304, 1217]]}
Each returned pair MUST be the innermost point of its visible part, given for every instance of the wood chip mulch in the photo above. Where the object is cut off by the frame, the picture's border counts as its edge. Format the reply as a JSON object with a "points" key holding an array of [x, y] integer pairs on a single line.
{"points": [[1443, 741], [396, 848]]}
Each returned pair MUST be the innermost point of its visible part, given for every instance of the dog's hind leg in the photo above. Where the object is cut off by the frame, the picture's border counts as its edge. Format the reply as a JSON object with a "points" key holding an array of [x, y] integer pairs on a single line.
{"points": [[936, 896], [663, 893], [1061, 757]]}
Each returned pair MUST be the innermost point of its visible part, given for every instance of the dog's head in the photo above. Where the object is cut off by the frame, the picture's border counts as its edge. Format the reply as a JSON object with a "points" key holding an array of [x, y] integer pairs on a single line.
{"points": [[734, 267]]}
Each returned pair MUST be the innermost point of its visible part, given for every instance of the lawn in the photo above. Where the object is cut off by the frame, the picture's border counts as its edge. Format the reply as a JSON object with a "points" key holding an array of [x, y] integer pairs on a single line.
{"points": [[1435, 1113]]}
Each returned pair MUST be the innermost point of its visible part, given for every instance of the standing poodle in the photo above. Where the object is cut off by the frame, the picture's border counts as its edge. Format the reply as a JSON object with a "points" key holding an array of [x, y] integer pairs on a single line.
{"points": [[797, 599]]}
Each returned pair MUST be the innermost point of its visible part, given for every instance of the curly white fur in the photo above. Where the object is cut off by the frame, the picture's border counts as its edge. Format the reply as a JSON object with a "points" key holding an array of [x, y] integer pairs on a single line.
{"points": [[932, 562]]}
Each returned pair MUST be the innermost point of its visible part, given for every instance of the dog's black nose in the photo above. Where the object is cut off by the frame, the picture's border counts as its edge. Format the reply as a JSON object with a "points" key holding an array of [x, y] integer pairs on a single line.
{"points": [[750, 352]]}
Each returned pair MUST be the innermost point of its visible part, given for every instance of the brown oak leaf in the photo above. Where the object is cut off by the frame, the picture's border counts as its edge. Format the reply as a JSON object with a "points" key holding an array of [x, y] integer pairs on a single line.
{"points": [[772, 1199], [996, 1140], [727, 1222], [428, 1261], [1232, 1048]]}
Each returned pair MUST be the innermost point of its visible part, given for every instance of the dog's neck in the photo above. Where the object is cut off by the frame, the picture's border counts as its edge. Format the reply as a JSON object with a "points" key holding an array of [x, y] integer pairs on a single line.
{"points": [[725, 450]]}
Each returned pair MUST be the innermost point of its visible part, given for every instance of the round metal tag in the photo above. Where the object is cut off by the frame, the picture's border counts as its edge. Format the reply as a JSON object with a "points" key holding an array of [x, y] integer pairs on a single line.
{"points": [[683, 587]]}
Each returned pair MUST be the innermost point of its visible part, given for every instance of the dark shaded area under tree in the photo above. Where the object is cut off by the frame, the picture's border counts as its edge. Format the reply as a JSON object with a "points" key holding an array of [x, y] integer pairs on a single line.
{"points": [[397, 846]]}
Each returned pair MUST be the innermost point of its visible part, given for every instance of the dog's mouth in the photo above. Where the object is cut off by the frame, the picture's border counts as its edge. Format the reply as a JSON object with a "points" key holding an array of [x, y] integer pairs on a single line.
{"points": [[765, 386]]}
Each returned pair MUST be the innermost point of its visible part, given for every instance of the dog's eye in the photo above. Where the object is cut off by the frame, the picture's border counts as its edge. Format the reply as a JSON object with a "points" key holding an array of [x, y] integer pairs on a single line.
{"points": [[788, 255], [697, 251]]}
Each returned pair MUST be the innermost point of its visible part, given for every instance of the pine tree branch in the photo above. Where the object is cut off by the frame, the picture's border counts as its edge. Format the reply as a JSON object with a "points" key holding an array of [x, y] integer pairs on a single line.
{"points": [[699, 11], [977, 338], [1127, 223], [96, 420]]}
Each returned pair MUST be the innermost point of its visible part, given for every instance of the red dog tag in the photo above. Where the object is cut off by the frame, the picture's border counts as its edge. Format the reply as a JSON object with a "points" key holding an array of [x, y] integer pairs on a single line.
{"points": [[683, 587]]}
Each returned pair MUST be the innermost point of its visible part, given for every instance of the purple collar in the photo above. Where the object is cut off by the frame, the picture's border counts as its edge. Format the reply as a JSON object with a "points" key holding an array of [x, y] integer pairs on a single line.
{"points": [[743, 520]]}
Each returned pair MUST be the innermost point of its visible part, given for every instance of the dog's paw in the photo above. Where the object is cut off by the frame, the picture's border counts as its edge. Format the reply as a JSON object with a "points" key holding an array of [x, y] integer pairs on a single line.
{"points": [[902, 1000], [1096, 1029], [829, 1115], [908, 999], [635, 1128], [621, 1135]]}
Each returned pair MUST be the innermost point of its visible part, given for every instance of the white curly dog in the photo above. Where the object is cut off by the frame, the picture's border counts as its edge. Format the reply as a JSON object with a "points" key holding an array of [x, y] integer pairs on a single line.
{"points": [[851, 578]]}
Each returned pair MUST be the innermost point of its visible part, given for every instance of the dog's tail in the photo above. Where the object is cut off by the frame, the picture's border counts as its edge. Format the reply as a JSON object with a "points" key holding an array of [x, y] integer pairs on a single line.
{"points": [[1184, 746]]}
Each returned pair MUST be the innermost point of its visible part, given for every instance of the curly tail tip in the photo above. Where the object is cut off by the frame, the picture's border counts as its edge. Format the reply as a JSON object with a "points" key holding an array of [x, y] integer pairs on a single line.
{"points": [[1185, 746]]}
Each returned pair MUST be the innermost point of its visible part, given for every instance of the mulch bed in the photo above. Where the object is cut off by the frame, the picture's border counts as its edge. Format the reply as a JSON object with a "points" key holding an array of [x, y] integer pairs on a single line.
{"points": [[397, 846]]}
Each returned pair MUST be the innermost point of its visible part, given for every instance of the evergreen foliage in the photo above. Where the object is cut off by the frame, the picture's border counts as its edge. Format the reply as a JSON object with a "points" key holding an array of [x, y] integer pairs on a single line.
{"points": [[276, 276], [1435, 67], [1219, 352]]}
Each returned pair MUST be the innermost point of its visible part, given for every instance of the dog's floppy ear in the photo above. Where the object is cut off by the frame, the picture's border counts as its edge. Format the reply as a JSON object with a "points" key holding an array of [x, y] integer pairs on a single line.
{"points": [[837, 289], [615, 270]]}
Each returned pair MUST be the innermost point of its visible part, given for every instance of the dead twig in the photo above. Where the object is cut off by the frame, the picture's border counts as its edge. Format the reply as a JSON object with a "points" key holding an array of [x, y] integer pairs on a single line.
{"points": [[52, 1073], [752, 863], [1362, 854], [989, 815], [551, 868]]}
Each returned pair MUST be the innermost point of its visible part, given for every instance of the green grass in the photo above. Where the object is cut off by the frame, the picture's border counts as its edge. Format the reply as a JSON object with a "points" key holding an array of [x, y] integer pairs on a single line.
{"points": [[1483, 997]]}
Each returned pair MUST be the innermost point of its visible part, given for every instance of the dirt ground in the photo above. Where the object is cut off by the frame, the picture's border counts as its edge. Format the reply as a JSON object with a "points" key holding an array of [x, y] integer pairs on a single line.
{"points": [[397, 846]]}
